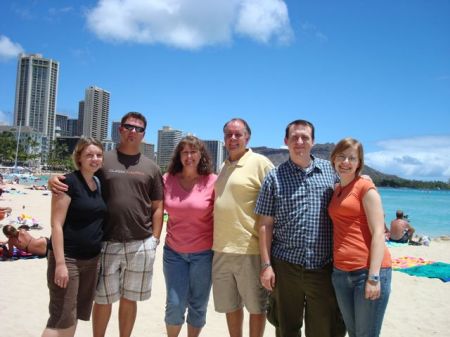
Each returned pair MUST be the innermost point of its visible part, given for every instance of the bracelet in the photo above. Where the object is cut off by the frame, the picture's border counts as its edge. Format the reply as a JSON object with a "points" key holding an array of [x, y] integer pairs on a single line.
{"points": [[373, 278], [265, 265]]}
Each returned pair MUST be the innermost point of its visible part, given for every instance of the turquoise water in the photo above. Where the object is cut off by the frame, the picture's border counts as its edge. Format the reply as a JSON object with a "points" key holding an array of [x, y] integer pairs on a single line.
{"points": [[428, 211], [36, 180]]}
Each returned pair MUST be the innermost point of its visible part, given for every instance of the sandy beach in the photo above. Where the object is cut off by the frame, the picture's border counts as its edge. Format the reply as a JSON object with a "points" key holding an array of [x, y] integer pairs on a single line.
{"points": [[417, 307]]}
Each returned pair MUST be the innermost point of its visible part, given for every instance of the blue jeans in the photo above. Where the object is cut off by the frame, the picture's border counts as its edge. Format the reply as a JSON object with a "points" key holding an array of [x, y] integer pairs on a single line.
{"points": [[362, 317], [188, 284]]}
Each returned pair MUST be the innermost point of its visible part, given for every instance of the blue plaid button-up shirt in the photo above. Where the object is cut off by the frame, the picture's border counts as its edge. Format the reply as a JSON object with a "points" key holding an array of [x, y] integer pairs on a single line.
{"points": [[298, 199]]}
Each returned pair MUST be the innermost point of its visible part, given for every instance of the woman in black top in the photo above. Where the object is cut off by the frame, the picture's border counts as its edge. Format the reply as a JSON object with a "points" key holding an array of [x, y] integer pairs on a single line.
{"points": [[77, 221]]}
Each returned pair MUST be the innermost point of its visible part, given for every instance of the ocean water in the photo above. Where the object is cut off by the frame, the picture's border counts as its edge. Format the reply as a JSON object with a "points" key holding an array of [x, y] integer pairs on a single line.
{"points": [[428, 211], [34, 180]]}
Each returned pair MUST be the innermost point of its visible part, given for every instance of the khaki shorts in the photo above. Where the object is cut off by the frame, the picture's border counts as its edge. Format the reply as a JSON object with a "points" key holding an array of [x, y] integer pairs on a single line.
{"points": [[74, 302], [236, 283], [126, 270]]}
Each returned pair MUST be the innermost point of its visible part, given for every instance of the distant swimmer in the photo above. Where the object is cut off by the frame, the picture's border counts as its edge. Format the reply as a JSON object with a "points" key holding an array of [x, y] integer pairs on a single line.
{"points": [[401, 230]]}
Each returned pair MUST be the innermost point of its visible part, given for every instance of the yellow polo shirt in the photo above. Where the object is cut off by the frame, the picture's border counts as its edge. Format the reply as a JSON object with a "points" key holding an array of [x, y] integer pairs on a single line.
{"points": [[236, 190]]}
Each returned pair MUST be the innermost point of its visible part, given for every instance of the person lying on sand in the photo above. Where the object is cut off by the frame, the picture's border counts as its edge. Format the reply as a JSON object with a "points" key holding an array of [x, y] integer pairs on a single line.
{"points": [[39, 188], [25, 241]]}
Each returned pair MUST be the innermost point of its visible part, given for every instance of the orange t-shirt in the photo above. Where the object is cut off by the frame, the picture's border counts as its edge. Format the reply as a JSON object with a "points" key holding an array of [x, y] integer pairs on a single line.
{"points": [[351, 233]]}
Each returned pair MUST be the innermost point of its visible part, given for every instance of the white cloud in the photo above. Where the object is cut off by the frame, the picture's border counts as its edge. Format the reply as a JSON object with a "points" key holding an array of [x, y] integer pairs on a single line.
{"points": [[423, 158], [189, 24], [264, 20], [8, 49]]}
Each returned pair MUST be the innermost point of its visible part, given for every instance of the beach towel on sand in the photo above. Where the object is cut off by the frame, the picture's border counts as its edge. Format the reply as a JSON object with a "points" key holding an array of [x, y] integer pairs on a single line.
{"points": [[438, 270], [395, 244], [19, 254], [408, 262]]}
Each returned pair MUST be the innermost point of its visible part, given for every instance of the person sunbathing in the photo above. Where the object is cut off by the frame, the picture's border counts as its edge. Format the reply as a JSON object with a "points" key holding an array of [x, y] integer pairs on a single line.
{"points": [[23, 240], [39, 188]]}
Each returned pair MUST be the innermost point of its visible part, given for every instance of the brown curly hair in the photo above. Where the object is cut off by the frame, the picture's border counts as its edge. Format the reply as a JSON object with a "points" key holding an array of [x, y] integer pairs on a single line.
{"points": [[204, 166]]}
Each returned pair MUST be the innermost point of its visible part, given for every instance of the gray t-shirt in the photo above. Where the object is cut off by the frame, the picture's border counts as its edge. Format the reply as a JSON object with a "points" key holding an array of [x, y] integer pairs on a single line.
{"points": [[129, 184]]}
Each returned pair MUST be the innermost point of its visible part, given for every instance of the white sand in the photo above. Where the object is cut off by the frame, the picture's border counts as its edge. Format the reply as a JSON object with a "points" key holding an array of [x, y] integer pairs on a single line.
{"points": [[418, 307]]}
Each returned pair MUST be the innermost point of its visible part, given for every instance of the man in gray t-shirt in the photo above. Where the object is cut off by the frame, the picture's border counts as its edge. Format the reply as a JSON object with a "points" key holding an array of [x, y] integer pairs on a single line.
{"points": [[133, 190]]}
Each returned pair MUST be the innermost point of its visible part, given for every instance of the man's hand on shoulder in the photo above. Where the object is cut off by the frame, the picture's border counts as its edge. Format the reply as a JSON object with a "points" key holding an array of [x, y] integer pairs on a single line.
{"points": [[56, 185], [366, 177]]}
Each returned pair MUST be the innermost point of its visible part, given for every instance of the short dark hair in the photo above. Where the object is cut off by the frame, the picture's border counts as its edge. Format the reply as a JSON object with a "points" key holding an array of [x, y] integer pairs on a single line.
{"points": [[399, 214], [204, 166], [246, 126], [343, 145], [299, 122], [136, 115]]}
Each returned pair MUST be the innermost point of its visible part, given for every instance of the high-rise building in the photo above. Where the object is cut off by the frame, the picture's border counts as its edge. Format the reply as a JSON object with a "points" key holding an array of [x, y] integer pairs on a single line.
{"points": [[115, 135], [80, 118], [96, 113], [148, 150], [72, 127], [108, 144], [61, 125], [36, 91], [215, 149], [168, 139]]}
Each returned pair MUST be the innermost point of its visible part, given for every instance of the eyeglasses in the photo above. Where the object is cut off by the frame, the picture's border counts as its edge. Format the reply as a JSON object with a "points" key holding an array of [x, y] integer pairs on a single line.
{"points": [[229, 135], [129, 127], [351, 159]]}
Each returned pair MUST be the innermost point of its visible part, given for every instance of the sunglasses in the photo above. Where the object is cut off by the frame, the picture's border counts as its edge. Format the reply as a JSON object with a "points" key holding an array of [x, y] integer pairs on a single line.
{"points": [[129, 127]]}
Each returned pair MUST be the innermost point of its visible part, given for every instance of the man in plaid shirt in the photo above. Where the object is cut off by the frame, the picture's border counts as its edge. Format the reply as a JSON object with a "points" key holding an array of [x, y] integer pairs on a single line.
{"points": [[295, 235]]}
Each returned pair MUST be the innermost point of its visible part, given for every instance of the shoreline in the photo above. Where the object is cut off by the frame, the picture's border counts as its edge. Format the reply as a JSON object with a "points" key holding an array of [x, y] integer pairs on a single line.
{"points": [[418, 306]]}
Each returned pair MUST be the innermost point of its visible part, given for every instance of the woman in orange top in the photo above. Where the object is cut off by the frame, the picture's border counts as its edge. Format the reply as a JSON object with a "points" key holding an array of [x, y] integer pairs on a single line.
{"points": [[362, 263]]}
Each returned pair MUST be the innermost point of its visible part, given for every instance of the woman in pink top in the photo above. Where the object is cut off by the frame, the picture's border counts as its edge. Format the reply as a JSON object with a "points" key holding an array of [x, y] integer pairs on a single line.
{"points": [[362, 263], [187, 259]]}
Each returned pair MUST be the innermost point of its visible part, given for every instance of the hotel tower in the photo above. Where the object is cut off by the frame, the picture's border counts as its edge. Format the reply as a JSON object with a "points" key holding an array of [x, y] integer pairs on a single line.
{"points": [[36, 91]]}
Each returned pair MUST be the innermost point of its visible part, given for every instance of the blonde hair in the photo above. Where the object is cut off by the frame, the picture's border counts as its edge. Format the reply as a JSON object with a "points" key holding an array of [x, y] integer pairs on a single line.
{"points": [[83, 143]]}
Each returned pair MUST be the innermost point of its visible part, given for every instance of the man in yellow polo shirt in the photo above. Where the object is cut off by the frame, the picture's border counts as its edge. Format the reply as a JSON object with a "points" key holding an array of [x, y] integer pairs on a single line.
{"points": [[236, 263]]}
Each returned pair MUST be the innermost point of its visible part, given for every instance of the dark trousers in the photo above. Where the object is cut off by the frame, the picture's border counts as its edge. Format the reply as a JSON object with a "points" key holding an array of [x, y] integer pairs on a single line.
{"points": [[304, 292]]}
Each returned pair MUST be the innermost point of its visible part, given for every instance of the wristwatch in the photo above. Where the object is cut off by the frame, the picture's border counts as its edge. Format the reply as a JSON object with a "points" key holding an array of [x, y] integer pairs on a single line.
{"points": [[373, 278], [265, 265]]}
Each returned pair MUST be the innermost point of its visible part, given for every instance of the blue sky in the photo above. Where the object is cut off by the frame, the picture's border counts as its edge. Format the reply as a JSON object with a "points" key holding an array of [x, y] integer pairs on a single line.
{"points": [[378, 71]]}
